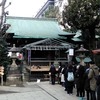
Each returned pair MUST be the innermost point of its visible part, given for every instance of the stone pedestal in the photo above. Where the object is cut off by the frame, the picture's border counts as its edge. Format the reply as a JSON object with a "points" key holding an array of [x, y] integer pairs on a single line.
{"points": [[14, 76]]}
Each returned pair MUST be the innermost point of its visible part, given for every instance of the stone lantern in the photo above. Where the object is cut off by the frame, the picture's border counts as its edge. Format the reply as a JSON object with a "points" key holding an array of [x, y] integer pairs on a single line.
{"points": [[14, 75], [81, 54], [13, 56]]}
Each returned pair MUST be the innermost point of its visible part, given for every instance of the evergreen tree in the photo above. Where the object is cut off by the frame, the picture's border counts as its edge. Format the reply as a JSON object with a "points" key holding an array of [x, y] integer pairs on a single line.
{"points": [[83, 15], [4, 59]]}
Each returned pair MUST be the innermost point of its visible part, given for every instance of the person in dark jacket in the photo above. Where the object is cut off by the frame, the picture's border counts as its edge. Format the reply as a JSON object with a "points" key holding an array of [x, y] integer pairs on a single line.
{"points": [[70, 84], [52, 73], [76, 80], [87, 84], [80, 81]]}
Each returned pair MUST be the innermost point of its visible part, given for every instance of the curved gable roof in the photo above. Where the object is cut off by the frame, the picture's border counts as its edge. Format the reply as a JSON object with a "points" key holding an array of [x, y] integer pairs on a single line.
{"points": [[23, 27], [48, 44]]}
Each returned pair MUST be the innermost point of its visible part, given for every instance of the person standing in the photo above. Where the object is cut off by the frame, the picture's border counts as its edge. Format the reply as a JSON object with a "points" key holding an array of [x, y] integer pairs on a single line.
{"points": [[94, 71], [52, 73], [80, 81], [62, 77], [64, 72], [70, 83], [87, 84], [59, 73]]}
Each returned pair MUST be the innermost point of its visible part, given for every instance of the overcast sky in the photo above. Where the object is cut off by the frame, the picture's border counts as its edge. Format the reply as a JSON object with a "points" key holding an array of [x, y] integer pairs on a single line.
{"points": [[24, 8]]}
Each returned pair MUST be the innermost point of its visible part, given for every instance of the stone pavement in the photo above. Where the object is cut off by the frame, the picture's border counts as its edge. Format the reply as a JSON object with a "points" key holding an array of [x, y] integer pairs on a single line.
{"points": [[36, 91]]}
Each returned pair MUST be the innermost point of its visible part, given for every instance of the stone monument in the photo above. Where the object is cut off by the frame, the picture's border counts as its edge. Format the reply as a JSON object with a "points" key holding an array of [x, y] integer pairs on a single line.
{"points": [[14, 75], [81, 54]]}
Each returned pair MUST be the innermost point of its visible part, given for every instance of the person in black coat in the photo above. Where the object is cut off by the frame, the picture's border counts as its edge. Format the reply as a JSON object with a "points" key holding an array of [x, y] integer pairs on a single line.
{"points": [[70, 84], [52, 73], [87, 85], [80, 81]]}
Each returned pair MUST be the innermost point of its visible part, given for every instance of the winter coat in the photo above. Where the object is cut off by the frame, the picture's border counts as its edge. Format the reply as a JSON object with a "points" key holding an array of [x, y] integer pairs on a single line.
{"points": [[93, 72], [69, 84], [87, 81], [80, 81], [52, 70]]}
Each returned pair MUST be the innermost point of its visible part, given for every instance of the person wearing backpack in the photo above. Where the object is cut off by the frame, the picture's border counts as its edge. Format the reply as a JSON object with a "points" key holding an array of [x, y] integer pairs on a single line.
{"points": [[70, 79], [93, 72]]}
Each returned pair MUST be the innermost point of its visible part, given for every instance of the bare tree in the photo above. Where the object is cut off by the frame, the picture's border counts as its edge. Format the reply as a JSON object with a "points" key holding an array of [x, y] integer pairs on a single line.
{"points": [[3, 25]]}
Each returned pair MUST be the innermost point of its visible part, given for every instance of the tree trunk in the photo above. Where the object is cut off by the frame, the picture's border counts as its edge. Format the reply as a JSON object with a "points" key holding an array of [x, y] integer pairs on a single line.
{"points": [[92, 38], [88, 36]]}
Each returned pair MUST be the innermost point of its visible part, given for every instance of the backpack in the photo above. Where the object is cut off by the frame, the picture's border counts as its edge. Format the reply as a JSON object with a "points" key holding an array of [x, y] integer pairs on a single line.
{"points": [[95, 76], [70, 76]]}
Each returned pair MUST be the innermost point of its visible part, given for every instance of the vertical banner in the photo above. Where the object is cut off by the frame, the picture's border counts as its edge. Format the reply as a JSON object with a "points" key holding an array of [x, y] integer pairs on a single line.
{"points": [[29, 56], [70, 55], [71, 52]]}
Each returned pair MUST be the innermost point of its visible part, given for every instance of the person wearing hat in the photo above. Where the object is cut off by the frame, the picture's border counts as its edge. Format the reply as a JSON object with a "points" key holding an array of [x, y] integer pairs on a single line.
{"points": [[93, 72]]}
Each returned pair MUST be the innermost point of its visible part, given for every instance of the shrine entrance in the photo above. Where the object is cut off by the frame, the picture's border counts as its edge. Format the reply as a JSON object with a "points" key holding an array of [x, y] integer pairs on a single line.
{"points": [[40, 54]]}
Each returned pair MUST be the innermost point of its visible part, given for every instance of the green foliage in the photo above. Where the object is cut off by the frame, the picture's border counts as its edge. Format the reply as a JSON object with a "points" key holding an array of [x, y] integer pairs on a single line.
{"points": [[83, 15], [4, 59]]}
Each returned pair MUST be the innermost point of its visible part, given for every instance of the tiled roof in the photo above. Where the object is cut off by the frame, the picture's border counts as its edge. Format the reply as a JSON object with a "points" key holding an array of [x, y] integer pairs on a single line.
{"points": [[23, 27]]}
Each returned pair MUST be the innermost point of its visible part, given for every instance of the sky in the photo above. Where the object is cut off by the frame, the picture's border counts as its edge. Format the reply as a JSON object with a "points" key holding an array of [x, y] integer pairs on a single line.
{"points": [[24, 8]]}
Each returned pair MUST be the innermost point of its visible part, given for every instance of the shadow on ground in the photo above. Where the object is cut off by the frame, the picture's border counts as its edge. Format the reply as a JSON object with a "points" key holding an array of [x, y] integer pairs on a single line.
{"points": [[7, 92]]}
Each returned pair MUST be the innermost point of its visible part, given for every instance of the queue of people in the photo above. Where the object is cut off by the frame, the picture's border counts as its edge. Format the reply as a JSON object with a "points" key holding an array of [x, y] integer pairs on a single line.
{"points": [[84, 78]]}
